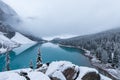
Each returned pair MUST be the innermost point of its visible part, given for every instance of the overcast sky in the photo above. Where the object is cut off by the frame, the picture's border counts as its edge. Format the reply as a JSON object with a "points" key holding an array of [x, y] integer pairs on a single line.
{"points": [[67, 17]]}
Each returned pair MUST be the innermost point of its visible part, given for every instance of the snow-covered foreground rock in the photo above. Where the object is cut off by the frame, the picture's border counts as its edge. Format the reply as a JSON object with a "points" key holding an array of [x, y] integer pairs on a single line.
{"points": [[61, 70]]}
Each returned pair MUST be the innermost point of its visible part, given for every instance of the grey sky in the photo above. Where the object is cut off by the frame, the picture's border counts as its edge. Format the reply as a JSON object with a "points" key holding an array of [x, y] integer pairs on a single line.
{"points": [[74, 17]]}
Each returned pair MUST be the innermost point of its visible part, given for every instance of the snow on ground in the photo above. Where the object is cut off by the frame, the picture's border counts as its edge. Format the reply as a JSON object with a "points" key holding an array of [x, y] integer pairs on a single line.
{"points": [[55, 66], [55, 69], [38, 76], [14, 75], [6, 42], [3, 50], [15, 42], [19, 38], [105, 67], [84, 70]]}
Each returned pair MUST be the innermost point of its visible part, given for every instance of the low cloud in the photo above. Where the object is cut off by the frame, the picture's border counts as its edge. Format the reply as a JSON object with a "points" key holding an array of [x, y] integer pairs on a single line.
{"points": [[67, 17]]}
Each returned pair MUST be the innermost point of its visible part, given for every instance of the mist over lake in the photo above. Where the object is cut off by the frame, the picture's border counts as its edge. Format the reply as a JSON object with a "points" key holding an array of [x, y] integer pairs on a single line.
{"points": [[48, 18]]}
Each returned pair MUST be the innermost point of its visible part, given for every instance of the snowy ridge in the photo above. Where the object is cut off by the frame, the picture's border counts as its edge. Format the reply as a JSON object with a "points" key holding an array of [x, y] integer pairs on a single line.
{"points": [[54, 71], [19, 38], [15, 42], [5, 42]]}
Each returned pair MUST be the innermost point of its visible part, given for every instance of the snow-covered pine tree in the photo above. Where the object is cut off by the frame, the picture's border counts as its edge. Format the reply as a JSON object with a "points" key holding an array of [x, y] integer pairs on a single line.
{"points": [[31, 64], [7, 59], [39, 59], [115, 60], [98, 53]]}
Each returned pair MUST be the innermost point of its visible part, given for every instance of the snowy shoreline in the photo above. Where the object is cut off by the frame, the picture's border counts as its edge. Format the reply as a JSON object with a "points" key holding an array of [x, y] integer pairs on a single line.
{"points": [[111, 73]]}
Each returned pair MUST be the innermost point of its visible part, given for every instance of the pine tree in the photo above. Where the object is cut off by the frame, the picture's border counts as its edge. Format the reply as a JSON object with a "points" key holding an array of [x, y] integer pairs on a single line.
{"points": [[39, 60], [99, 54], [115, 60], [7, 59], [31, 64]]}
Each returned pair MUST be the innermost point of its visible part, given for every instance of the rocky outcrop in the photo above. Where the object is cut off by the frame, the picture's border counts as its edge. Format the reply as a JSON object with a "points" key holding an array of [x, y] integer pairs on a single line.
{"points": [[7, 30], [66, 71], [54, 78], [70, 73]]}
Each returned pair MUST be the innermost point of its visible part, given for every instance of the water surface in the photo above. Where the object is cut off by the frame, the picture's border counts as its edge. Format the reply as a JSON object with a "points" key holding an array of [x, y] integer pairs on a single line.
{"points": [[50, 52]]}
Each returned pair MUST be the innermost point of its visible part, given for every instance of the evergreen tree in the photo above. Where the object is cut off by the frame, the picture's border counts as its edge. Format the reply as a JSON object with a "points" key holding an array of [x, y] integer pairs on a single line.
{"points": [[39, 60], [7, 59], [31, 64], [115, 60], [98, 53], [104, 56]]}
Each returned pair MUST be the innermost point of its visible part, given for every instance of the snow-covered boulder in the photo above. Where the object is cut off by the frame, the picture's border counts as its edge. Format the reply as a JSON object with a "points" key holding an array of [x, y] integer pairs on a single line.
{"points": [[61, 70], [64, 70]]}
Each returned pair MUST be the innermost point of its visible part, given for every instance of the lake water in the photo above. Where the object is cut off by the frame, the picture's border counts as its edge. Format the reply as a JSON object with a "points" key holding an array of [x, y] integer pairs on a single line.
{"points": [[50, 52]]}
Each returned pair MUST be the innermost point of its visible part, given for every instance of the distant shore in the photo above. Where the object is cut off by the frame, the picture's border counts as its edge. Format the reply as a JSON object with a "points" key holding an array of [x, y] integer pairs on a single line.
{"points": [[96, 64]]}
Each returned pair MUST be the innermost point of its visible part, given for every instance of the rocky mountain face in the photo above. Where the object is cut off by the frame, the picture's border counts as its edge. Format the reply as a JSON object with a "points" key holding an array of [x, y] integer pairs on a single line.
{"points": [[8, 15], [7, 30]]}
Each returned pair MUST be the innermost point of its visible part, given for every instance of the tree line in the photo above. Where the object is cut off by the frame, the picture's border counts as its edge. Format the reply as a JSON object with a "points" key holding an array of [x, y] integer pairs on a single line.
{"points": [[105, 46]]}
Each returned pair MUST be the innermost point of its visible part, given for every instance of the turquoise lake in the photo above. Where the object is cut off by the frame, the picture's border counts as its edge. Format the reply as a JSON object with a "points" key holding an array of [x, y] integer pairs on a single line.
{"points": [[50, 52]]}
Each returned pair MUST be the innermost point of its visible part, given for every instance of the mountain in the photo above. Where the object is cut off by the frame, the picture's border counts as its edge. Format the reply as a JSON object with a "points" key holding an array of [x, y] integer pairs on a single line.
{"points": [[9, 36], [104, 48], [61, 70], [10, 20], [8, 15], [107, 41]]}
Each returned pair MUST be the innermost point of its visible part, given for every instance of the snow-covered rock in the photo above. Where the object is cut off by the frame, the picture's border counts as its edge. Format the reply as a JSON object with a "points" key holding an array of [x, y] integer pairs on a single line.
{"points": [[54, 71]]}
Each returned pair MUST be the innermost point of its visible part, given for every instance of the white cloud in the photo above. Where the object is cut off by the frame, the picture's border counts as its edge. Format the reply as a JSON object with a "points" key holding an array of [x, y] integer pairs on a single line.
{"points": [[78, 17]]}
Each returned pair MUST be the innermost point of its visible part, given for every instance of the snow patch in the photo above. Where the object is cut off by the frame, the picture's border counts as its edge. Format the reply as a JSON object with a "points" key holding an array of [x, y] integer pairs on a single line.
{"points": [[19, 38]]}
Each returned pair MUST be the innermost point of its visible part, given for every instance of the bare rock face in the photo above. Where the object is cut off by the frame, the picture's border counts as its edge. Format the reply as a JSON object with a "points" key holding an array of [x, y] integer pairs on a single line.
{"points": [[70, 73], [54, 78], [7, 30], [91, 76]]}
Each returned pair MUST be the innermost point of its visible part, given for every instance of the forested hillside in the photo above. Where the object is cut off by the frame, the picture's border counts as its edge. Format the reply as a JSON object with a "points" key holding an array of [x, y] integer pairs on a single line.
{"points": [[105, 45]]}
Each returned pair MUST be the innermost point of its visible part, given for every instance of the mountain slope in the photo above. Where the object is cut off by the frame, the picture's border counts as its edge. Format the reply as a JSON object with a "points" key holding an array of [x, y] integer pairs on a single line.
{"points": [[104, 48], [6, 43], [8, 15], [19, 38], [9, 38], [10, 21], [108, 41]]}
